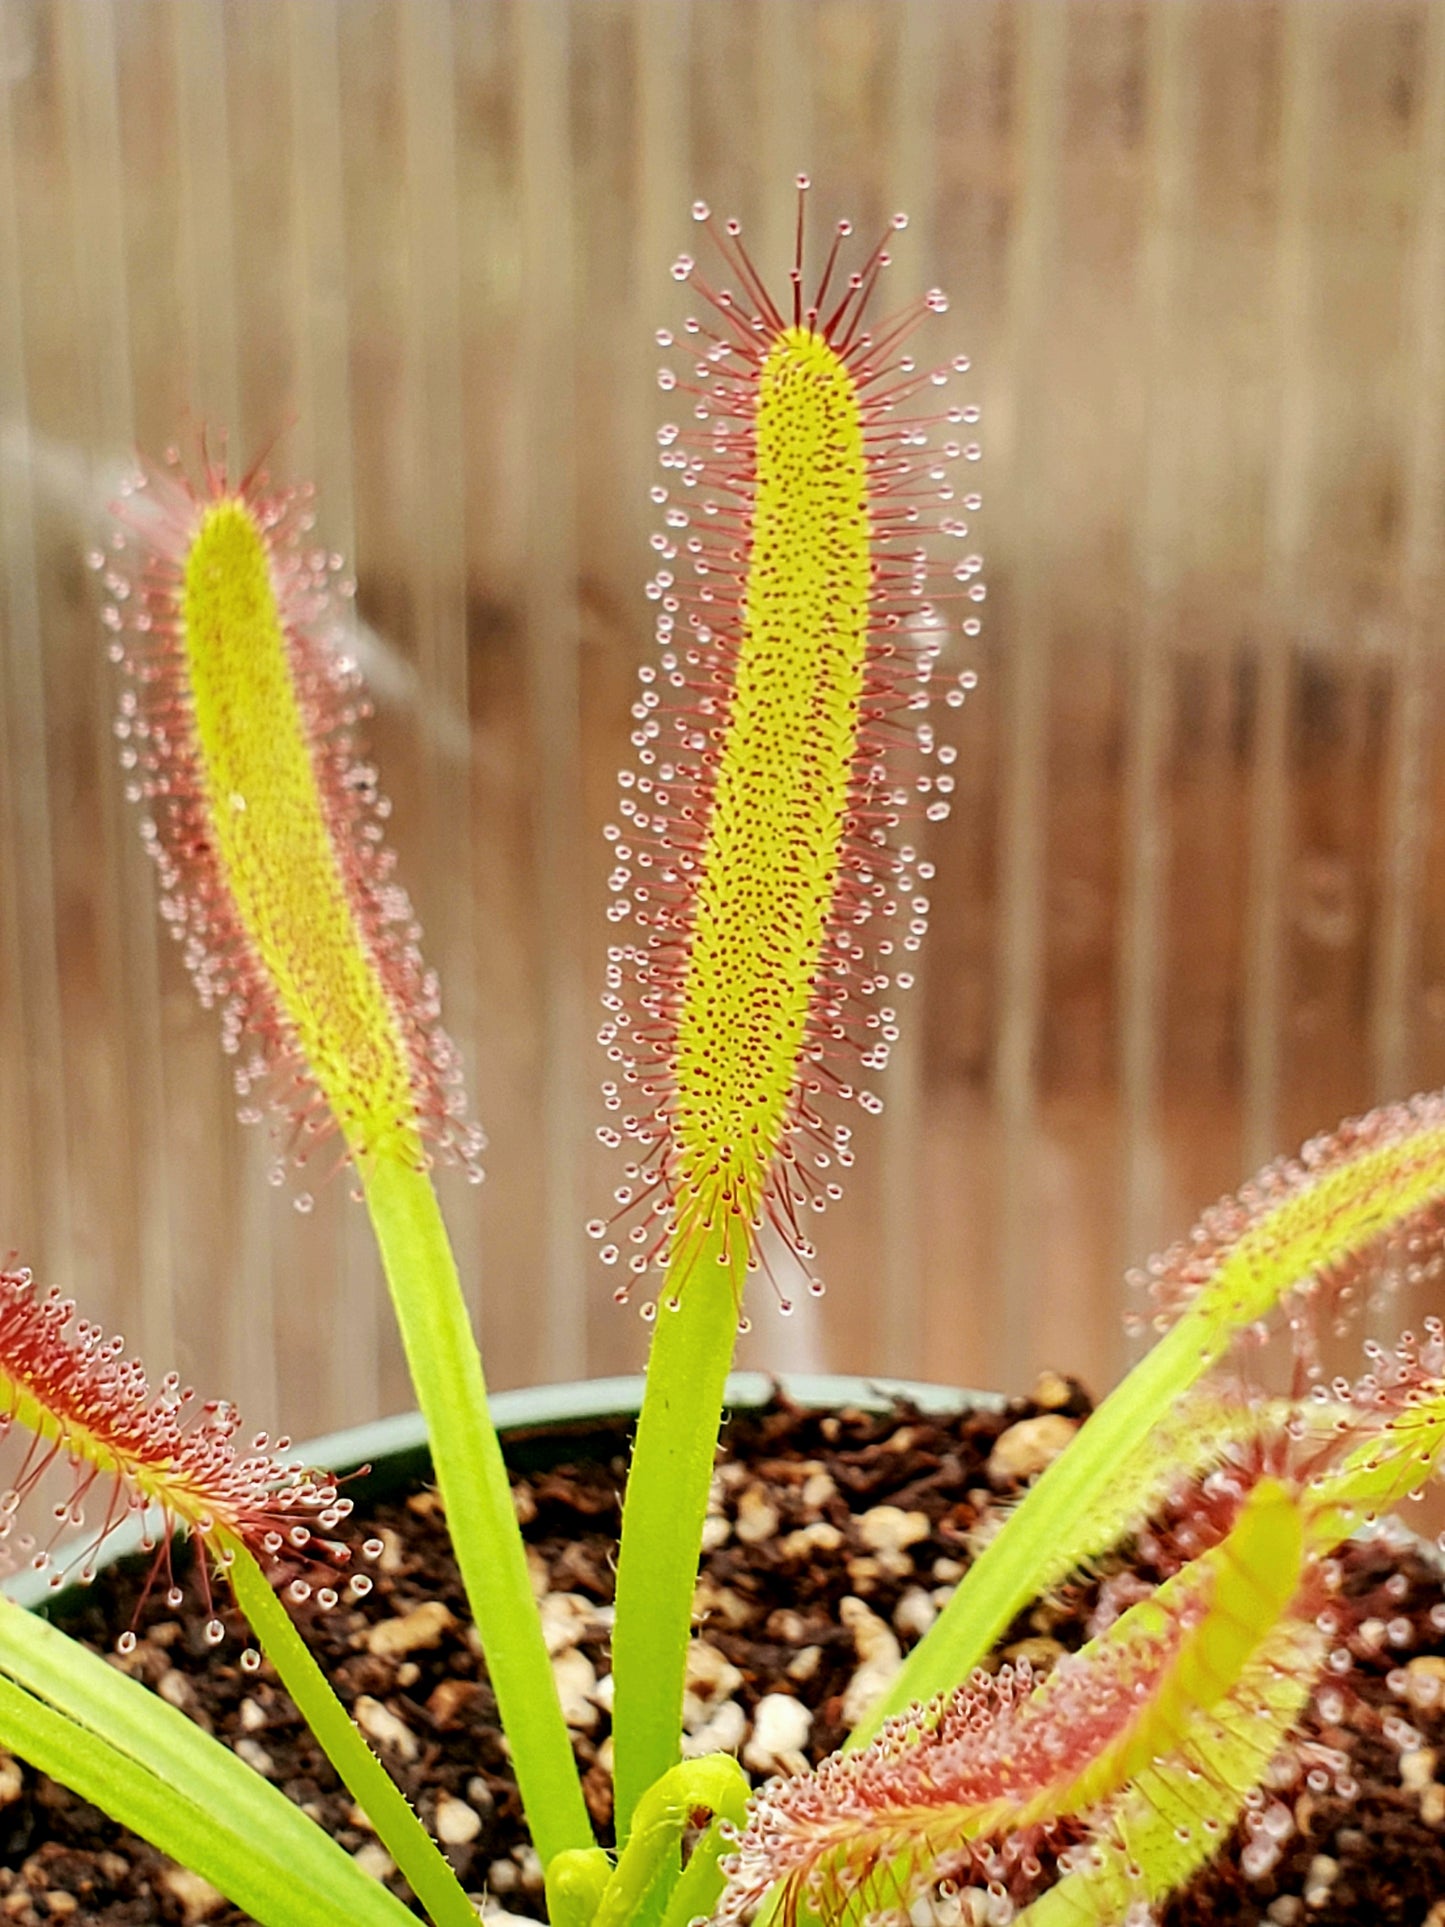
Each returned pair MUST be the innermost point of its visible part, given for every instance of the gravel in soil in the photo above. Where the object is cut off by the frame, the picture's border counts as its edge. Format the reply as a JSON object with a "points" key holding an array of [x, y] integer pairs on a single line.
{"points": [[833, 1542]]}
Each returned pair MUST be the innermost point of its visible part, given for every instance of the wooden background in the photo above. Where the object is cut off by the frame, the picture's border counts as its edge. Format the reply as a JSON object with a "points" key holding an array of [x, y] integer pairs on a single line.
{"points": [[1191, 904]]}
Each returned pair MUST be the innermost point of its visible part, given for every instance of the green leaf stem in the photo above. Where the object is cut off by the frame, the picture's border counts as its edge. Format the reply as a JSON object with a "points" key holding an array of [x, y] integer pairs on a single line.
{"points": [[662, 1518], [446, 1371], [371, 1786]]}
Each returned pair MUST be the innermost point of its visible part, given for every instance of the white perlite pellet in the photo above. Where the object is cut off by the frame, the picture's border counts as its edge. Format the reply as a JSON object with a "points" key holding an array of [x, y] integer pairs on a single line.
{"points": [[1023, 1451], [879, 1654], [374, 1859], [915, 1612], [781, 1725], [758, 1517], [888, 1528], [196, 1897], [413, 1632], [256, 1757], [456, 1822], [566, 1618], [379, 1723], [723, 1733], [576, 1679], [710, 1679]]}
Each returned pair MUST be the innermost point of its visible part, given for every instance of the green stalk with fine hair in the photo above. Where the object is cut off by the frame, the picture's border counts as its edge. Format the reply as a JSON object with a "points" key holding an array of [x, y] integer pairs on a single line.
{"points": [[367, 1780], [446, 1372], [662, 1517]]}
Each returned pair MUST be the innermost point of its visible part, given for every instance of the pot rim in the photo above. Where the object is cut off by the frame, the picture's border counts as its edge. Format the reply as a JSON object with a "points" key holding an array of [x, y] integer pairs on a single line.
{"points": [[531, 1410]]}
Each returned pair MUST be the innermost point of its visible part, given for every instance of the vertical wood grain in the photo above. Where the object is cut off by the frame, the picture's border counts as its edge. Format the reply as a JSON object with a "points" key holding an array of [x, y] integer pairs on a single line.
{"points": [[545, 375], [142, 1297], [27, 885], [1286, 535], [1020, 504], [900, 1314], [1169, 112], [1421, 574]]}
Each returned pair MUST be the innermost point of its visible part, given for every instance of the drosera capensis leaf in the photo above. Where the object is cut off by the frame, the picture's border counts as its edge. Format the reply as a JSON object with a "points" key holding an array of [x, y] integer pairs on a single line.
{"points": [[1178, 1811], [994, 1770], [1359, 1451], [127, 1446], [1302, 1239], [785, 761], [239, 725], [768, 855], [646, 1868], [239, 730], [1210, 1614], [1311, 1226]]}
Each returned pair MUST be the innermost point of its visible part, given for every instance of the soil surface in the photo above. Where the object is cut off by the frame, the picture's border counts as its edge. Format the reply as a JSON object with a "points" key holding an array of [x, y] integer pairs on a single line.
{"points": [[834, 1540]]}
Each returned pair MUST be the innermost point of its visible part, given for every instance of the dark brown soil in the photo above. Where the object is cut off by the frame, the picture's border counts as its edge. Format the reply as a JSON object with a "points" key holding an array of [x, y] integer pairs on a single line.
{"points": [[772, 1613]]}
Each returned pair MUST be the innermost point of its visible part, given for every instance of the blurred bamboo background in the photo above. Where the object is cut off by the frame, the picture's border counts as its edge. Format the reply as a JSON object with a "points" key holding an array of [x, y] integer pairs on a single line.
{"points": [[1191, 904]]}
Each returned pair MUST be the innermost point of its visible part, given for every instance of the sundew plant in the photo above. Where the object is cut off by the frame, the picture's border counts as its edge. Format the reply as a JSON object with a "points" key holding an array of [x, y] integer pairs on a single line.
{"points": [[769, 893]]}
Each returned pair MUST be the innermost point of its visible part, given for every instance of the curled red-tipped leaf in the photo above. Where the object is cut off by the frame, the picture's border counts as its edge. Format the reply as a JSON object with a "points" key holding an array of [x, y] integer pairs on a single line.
{"points": [[998, 1779], [127, 1447], [1109, 1782]]}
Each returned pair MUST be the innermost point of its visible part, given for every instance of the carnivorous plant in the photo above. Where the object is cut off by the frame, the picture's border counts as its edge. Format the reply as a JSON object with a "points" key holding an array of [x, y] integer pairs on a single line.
{"points": [[769, 889]]}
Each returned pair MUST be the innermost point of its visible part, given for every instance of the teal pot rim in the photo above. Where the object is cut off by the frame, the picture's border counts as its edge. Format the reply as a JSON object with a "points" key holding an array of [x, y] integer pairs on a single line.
{"points": [[532, 1419]]}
